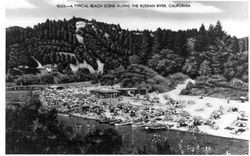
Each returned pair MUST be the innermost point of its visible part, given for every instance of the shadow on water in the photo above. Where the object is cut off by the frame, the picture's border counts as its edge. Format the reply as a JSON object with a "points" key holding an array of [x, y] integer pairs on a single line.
{"points": [[141, 141]]}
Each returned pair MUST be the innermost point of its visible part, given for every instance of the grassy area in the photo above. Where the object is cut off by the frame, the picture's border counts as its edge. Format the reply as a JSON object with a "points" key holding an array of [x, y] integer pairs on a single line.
{"points": [[217, 86], [217, 92]]}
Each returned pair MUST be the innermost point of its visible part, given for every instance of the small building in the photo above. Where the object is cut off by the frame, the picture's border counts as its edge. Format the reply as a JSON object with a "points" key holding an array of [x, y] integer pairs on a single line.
{"points": [[53, 87], [131, 91], [105, 92], [127, 91]]}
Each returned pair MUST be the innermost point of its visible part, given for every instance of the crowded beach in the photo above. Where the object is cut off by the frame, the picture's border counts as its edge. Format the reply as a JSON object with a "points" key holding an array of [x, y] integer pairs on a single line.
{"points": [[153, 111]]}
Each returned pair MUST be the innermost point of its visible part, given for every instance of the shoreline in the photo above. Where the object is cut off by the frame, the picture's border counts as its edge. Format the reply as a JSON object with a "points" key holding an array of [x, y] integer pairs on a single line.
{"points": [[133, 126]]}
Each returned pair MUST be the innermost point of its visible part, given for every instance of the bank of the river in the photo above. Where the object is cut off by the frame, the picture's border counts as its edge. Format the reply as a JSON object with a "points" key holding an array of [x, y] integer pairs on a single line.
{"points": [[137, 139]]}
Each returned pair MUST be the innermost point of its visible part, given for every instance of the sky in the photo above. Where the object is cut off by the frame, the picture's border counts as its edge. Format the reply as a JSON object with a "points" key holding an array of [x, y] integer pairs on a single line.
{"points": [[232, 14]]}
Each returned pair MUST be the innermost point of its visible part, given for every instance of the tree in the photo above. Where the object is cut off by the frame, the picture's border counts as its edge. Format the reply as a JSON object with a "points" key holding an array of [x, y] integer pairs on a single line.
{"points": [[157, 46], [83, 74], [145, 48], [23, 57], [180, 47], [53, 57], [166, 62], [201, 41], [235, 45], [191, 66], [134, 59], [60, 67], [205, 69], [211, 34], [30, 131], [115, 46], [13, 58], [218, 30], [219, 54], [229, 71]]}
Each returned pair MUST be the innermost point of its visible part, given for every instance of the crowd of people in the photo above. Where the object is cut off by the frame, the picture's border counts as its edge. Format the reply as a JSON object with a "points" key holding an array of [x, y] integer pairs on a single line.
{"points": [[128, 109], [138, 110]]}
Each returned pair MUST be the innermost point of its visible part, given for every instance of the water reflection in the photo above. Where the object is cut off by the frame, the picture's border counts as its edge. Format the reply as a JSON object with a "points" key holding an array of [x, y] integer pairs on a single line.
{"points": [[137, 140]]}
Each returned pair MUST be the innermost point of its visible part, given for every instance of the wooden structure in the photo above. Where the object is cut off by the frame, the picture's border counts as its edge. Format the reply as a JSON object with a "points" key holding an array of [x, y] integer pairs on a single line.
{"points": [[28, 87], [127, 91], [53, 87], [105, 92], [115, 92], [131, 91]]}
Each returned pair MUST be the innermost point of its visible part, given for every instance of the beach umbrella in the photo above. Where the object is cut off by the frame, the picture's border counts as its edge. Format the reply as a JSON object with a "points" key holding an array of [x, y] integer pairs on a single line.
{"points": [[119, 105], [241, 124], [216, 112], [185, 114], [166, 96], [146, 102], [242, 112], [208, 105], [197, 118], [168, 117], [183, 119], [156, 98], [144, 112], [171, 108], [243, 98], [146, 96], [168, 103]]}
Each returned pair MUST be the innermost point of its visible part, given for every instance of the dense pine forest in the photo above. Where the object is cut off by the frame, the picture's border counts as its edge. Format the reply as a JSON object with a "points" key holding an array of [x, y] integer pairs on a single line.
{"points": [[82, 50]]}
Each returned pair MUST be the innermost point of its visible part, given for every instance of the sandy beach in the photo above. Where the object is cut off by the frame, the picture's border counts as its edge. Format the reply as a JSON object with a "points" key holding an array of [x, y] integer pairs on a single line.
{"points": [[226, 119]]}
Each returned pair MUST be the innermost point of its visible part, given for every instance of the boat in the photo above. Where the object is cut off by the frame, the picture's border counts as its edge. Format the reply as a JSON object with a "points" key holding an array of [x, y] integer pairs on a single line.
{"points": [[104, 121], [122, 124], [157, 127], [140, 124]]}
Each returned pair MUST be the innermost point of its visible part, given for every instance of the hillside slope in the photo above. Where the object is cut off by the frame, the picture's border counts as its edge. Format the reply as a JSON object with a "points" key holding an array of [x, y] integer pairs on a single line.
{"points": [[99, 47]]}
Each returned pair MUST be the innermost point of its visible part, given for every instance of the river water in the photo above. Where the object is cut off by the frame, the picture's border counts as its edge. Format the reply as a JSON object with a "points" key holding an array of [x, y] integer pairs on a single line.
{"points": [[137, 140]]}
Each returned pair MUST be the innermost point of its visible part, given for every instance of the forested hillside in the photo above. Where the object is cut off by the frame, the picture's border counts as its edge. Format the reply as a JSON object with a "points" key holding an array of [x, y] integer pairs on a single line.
{"points": [[104, 50]]}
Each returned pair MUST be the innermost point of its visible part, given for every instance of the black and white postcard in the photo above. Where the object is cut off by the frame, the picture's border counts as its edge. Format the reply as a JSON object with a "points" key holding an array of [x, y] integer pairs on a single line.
{"points": [[126, 77]]}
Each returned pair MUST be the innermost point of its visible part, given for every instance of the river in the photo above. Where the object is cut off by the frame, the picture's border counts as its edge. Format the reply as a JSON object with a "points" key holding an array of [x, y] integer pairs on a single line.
{"points": [[137, 140]]}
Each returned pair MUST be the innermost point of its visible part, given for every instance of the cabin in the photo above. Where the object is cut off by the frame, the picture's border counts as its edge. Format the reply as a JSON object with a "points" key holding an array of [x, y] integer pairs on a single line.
{"points": [[127, 91], [105, 92], [54, 87], [131, 91], [115, 92]]}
